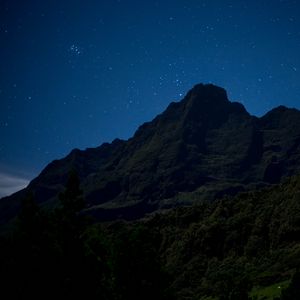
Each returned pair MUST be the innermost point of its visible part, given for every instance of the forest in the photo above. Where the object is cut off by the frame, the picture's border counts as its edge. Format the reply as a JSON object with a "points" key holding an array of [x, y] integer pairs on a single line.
{"points": [[242, 247]]}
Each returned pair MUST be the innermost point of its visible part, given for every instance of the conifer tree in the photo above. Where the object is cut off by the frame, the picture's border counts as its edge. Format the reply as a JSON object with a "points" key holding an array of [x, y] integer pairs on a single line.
{"points": [[71, 199]]}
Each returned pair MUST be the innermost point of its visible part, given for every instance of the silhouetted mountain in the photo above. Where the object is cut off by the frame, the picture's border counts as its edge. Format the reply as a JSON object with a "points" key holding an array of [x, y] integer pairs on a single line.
{"points": [[200, 148]]}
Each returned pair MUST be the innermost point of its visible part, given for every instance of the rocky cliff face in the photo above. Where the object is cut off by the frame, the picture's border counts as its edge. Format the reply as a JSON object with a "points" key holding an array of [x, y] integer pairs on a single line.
{"points": [[202, 147]]}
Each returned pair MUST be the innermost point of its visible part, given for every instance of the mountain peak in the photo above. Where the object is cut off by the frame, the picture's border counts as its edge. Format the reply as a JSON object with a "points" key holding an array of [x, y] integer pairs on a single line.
{"points": [[207, 94], [209, 89], [207, 105]]}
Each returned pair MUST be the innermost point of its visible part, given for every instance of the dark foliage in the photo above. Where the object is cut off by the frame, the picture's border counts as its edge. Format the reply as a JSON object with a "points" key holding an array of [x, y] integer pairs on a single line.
{"points": [[59, 254], [231, 249]]}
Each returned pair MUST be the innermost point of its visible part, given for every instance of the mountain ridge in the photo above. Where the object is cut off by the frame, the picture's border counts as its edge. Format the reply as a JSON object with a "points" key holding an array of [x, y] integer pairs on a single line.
{"points": [[200, 148]]}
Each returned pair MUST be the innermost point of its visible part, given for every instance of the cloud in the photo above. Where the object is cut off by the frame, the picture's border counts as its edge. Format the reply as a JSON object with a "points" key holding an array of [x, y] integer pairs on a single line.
{"points": [[10, 184]]}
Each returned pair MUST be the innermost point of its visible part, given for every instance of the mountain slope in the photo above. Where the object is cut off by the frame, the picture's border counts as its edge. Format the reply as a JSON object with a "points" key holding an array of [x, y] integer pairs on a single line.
{"points": [[199, 148]]}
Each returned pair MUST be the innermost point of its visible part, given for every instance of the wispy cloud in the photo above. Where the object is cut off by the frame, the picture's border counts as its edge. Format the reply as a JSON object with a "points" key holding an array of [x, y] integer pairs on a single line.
{"points": [[10, 183]]}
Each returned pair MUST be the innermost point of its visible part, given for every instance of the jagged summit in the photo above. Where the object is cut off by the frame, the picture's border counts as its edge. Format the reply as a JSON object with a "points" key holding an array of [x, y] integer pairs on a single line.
{"points": [[202, 97], [204, 105], [207, 93], [202, 147]]}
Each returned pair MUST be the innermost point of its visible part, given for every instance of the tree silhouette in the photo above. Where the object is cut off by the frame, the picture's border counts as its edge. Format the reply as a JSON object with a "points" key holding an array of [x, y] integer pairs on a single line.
{"points": [[71, 199], [70, 228], [29, 215]]}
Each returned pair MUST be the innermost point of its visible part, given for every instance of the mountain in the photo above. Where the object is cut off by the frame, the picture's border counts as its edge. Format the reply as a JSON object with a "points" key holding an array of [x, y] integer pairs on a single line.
{"points": [[201, 148], [233, 231]]}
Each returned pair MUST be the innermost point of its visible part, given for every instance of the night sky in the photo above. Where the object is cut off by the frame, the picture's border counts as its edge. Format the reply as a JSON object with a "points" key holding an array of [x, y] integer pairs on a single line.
{"points": [[75, 74]]}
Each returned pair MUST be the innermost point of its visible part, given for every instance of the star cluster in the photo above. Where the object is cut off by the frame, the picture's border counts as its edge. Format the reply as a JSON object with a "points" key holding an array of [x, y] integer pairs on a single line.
{"points": [[76, 74]]}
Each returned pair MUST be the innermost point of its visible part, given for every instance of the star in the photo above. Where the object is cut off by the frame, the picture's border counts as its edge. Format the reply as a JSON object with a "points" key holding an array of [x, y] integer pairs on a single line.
{"points": [[75, 50]]}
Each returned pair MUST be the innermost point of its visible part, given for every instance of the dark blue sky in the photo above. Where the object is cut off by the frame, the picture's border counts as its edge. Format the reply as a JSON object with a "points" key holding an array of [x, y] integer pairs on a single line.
{"points": [[75, 74]]}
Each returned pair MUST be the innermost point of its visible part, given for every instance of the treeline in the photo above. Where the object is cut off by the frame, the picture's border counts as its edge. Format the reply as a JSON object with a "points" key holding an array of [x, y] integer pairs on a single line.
{"points": [[246, 247], [61, 254]]}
